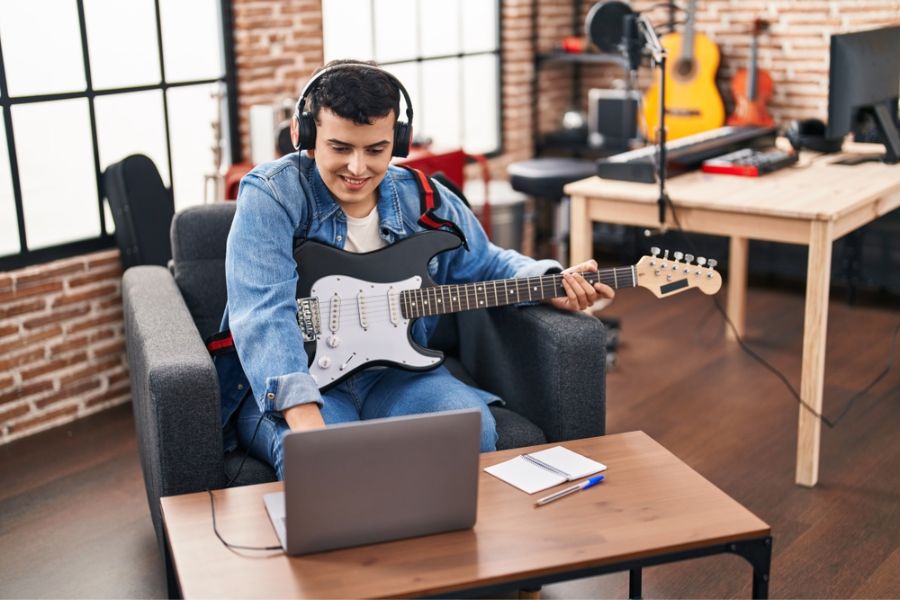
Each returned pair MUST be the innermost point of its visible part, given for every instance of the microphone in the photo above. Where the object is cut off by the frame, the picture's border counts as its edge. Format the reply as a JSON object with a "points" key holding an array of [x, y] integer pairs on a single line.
{"points": [[632, 45]]}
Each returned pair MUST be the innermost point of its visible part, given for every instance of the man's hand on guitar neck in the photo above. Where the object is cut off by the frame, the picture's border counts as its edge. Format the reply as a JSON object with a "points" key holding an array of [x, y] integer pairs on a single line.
{"points": [[304, 417], [580, 294]]}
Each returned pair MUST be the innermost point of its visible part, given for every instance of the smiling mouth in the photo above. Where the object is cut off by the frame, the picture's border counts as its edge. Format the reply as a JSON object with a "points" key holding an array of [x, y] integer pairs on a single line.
{"points": [[354, 182]]}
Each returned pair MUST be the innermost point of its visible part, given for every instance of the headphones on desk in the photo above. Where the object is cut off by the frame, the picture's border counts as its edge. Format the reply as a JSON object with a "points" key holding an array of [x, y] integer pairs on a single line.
{"points": [[810, 134], [307, 122]]}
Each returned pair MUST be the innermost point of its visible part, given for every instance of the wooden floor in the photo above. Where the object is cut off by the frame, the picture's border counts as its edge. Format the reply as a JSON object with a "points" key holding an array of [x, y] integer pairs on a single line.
{"points": [[74, 520]]}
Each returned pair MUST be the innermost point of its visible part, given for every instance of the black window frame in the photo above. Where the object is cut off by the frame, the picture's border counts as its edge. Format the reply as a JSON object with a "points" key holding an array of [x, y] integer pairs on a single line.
{"points": [[28, 257]]}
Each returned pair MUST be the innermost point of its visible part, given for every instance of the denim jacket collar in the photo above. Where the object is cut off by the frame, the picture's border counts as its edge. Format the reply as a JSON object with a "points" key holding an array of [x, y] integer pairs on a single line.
{"points": [[388, 205]]}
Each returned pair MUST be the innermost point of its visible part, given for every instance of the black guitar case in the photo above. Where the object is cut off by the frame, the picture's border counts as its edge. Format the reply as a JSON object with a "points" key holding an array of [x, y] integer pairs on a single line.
{"points": [[142, 209]]}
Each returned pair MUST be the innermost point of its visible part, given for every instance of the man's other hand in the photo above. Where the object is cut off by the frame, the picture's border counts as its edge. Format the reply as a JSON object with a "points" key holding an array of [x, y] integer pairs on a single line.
{"points": [[580, 294], [303, 417]]}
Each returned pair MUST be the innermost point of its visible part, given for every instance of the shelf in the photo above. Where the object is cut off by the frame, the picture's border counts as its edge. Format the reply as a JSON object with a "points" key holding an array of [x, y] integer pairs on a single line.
{"points": [[586, 57]]}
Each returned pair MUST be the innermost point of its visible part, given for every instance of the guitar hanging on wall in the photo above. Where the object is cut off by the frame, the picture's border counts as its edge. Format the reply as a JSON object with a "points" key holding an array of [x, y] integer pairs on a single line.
{"points": [[752, 88], [356, 310], [693, 103]]}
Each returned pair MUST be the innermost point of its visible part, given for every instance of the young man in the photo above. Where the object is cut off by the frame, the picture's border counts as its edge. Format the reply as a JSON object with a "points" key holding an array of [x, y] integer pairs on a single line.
{"points": [[343, 192]]}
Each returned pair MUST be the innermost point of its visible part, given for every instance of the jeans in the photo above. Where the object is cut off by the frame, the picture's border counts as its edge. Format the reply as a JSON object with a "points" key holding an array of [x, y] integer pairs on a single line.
{"points": [[370, 394]]}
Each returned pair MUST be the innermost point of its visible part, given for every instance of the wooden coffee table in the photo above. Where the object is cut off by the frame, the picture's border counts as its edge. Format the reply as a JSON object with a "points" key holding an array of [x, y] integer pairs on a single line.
{"points": [[652, 509]]}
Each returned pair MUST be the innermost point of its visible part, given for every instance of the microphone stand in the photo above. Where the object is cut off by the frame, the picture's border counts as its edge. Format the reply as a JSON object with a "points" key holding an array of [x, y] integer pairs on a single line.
{"points": [[658, 54]]}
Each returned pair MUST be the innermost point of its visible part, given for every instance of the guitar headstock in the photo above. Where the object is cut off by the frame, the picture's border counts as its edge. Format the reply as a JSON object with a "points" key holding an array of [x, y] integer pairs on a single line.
{"points": [[666, 276]]}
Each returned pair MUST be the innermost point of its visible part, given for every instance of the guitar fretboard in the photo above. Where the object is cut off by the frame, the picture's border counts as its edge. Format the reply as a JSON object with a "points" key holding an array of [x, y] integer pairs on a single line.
{"points": [[444, 299]]}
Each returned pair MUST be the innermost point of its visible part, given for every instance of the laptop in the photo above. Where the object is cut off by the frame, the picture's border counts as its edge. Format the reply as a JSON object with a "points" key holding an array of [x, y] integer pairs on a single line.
{"points": [[378, 480]]}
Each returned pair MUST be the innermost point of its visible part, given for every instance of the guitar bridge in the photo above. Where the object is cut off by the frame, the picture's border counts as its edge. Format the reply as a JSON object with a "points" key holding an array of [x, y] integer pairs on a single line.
{"points": [[308, 318]]}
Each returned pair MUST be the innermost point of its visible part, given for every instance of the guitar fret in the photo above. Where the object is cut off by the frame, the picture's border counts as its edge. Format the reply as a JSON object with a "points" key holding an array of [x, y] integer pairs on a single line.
{"points": [[448, 298]]}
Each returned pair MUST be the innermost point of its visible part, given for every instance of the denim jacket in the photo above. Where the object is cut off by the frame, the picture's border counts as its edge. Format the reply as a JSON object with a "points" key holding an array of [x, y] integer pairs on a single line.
{"points": [[287, 199]]}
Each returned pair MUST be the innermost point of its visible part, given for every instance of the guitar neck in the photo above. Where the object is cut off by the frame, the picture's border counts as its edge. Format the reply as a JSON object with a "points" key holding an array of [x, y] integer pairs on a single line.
{"points": [[687, 47], [445, 299], [751, 81]]}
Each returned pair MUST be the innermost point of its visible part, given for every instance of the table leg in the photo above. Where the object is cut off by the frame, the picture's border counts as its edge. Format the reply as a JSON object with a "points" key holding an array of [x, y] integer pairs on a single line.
{"points": [[812, 376], [580, 237], [759, 554], [737, 286], [634, 583]]}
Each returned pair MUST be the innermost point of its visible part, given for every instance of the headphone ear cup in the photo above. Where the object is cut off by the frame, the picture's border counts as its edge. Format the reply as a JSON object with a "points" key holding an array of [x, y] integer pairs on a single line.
{"points": [[402, 139], [793, 135], [307, 126], [810, 133]]}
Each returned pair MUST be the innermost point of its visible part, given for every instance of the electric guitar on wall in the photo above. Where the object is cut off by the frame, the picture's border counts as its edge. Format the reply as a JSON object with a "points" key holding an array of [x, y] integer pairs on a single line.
{"points": [[356, 310], [752, 88], [693, 103]]}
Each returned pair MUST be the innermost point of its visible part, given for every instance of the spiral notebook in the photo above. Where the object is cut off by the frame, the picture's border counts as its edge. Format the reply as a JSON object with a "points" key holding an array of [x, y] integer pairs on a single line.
{"points": [[543, 469]]}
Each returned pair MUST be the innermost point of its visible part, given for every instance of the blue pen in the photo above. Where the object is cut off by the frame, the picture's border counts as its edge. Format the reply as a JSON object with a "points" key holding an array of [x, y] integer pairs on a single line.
{"points": [[587, 483]]}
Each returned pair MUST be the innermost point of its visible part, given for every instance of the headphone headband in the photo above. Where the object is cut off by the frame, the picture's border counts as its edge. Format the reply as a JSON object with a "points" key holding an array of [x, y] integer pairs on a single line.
{"points": [[312, 81]]}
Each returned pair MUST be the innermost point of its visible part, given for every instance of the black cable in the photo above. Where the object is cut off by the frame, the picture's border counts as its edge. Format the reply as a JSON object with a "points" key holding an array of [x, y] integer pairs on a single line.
{"points": [[212, 508], [212, 502], [828, 422]]}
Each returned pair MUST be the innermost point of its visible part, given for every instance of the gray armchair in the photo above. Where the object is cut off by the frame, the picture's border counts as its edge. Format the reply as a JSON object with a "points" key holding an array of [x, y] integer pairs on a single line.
{"points": [[554, 389]]}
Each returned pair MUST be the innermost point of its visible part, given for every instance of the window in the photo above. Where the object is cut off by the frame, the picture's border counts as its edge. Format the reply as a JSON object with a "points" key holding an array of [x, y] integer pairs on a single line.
{"points": [[446, 53], [85, 83]]}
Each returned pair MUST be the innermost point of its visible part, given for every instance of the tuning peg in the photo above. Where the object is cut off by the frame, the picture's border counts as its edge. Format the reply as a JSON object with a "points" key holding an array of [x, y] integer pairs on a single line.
{"points": [[701, 261], [678, 256], [688, 258], [654, 251], [712, 263], [666, 255]]}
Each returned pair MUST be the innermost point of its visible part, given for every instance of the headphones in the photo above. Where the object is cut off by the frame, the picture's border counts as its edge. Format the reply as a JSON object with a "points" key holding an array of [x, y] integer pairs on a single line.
{"points": [[307, 123], [810, 133]]}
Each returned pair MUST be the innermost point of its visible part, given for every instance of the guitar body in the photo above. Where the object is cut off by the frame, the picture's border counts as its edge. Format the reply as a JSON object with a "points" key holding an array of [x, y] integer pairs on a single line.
{"points": [[693, 103], [353, 337], [747, 110], [752, 88]]}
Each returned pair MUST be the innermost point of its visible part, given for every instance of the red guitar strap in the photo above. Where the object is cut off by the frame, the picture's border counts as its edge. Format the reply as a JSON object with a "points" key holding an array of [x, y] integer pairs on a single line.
{"points": [[430, 202]]}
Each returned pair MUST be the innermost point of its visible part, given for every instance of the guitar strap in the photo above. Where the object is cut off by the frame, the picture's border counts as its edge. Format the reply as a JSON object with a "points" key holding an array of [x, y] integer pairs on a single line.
{"points": [[430, 201]]}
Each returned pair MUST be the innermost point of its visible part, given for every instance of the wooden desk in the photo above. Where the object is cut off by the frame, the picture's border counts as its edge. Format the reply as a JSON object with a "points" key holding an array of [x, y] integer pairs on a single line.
{"points": [[812, 204], [651, 509]]}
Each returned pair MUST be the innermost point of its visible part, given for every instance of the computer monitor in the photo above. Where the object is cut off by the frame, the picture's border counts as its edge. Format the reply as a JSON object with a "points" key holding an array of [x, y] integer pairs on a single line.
{"points": [[864, 78]]}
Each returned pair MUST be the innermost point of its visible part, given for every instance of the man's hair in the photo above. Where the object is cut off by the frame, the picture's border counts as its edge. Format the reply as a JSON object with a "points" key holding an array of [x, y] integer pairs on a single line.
{"points": [[358, 91]]}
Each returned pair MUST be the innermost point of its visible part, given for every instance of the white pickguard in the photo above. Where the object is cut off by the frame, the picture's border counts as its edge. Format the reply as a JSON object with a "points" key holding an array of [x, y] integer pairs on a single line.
{"points": [[369, 327]]}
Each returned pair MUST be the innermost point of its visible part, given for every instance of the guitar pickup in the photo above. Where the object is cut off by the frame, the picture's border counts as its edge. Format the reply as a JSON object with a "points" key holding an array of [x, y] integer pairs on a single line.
{"points": [[308, 318]]}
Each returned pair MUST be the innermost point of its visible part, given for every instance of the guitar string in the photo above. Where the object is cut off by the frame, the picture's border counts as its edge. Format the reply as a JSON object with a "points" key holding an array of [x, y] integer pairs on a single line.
{"points": [[473, 291], [472, 296], [467, 297]]}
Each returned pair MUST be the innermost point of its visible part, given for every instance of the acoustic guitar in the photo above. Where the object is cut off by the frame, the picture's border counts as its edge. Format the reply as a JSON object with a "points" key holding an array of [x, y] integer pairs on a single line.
{"points": [[752, 88], [356, 310], [693, 103]]}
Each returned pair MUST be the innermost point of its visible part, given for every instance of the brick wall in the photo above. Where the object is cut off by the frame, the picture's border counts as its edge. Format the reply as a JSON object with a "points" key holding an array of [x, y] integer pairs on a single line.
{"points": [[62, 346], [278, 44], [794, 51]]}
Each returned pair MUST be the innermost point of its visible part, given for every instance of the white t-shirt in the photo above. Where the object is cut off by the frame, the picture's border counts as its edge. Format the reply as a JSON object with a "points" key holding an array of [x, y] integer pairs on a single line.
{"points": [[363, 234]]}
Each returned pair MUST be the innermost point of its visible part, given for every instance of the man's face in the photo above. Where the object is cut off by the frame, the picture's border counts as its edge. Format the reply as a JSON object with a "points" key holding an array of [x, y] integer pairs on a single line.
{"points": [[353, 159]]}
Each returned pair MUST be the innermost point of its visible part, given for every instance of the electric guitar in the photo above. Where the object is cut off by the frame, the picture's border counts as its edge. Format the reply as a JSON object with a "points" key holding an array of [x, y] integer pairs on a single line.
{"points": [[752, 89], [693, 103], [355, 310]]}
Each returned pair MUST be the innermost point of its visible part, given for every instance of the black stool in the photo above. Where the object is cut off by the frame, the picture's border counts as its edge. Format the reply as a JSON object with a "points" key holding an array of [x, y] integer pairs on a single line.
{"points": [[544, 179]]}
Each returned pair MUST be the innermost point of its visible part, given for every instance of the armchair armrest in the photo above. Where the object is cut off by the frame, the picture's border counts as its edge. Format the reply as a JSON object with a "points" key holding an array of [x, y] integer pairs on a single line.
{"points": [[548, 365], [175, 389]]}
